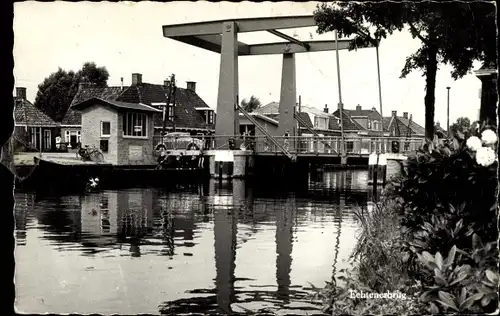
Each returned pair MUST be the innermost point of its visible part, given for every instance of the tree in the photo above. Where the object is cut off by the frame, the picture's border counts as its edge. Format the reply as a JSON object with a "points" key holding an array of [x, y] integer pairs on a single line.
{"points": [[251, 104], [454, 33], [56, 92], [461, 125]]}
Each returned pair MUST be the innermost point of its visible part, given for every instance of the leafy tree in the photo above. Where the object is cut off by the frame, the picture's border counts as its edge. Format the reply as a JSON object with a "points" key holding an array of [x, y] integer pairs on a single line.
{"points": [[57, 91], [461, 125], [454, 33], [251, 104]]}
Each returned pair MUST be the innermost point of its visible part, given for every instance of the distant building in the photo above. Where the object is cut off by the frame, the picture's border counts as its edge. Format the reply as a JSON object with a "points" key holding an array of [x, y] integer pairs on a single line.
{"points": [[123, 131], [192, 114], [401, 126], [32, 127]]}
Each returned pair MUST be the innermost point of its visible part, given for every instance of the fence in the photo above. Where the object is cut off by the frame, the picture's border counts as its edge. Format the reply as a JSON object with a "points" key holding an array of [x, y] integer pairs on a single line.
{"points": [[299, 144]]}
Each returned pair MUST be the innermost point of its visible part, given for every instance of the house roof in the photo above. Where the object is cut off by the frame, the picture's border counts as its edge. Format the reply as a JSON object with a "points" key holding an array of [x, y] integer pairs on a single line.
{"points": [[187, 103], [73, 117], [402, 125], [270, 108], [116, 104], [307, 120], [348, 123], [25, 113]]}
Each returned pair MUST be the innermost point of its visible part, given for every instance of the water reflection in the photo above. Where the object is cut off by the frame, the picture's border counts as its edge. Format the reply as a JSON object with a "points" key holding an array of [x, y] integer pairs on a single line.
{"points": [[205, 248]]}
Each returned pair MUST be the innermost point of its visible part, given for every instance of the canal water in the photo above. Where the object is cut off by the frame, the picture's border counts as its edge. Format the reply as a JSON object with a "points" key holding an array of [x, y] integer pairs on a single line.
{"points": [[225, 247]]}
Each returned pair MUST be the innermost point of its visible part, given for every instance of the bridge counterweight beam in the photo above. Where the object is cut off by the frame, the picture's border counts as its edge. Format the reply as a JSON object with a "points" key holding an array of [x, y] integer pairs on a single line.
{"points": [[227, 122]]}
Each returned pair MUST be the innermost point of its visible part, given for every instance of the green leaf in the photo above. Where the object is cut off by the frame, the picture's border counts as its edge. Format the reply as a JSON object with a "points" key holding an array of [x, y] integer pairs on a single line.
{"points": [[460, 277], [486, 300], [433, 308], [447, 299], [439, 261], [451, 257], [462, 296], [476, 242], [468, 302], [492, 276]]}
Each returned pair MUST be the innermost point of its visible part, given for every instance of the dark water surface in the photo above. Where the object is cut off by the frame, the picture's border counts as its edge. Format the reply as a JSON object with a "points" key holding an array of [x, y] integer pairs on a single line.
{"points": [[228, 247]]}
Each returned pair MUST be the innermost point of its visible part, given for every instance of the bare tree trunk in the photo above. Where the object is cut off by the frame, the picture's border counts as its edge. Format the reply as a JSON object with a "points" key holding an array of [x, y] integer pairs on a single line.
{"points": [[430, 91]]}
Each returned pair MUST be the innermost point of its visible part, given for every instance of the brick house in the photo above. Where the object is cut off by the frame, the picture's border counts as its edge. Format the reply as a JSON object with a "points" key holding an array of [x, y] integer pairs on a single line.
{"points": [[192, 114], [122, 130], [315, 119], [401, 126], [32, 127]]}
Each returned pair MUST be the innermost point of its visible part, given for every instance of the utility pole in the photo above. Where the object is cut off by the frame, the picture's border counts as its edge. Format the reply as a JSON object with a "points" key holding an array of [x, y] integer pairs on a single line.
{"points": [[174, 89], [448, 113], [380, 97], [343, 159], [166, 107]]}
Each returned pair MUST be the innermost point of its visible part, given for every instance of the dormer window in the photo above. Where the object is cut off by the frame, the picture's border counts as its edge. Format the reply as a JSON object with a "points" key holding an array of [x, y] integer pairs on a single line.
{"points": [[369, 124]]}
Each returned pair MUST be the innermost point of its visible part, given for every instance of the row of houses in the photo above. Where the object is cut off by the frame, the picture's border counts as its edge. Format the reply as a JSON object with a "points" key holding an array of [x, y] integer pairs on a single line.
{"points": [[125, 119], [356, 123]]}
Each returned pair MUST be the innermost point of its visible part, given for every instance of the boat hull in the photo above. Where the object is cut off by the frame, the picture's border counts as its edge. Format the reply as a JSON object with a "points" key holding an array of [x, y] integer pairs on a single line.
{"points": [[54, 176]]}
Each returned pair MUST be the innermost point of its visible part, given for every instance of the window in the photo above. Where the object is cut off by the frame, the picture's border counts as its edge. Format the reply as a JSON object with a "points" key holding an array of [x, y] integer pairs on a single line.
{"points": [[135, 125], [66, 136], [104, 144], [105, 128], [369, 124], [210, 117], [316, 123], [78, 136], [170, 112], [350, 146], [47, 140]]}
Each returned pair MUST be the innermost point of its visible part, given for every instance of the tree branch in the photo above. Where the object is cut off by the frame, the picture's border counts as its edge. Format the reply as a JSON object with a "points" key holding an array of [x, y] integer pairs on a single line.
{"points": [[417, 33]]}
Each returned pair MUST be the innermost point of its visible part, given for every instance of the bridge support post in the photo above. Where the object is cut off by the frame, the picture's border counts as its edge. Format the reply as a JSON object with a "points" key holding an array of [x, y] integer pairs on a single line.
{"points": [[288, 99], [227, 122]]}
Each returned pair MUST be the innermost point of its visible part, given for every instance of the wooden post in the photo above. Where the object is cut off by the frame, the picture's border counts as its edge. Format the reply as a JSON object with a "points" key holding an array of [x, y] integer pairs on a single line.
{"points": [[372, 168], [382, 168]]}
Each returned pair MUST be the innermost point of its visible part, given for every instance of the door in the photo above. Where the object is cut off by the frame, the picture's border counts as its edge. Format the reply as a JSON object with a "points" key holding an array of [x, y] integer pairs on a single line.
{"points": [[47, 139]]}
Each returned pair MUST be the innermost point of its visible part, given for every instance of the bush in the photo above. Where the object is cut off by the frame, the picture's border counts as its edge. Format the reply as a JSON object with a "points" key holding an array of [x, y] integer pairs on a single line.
{"points": [[460, 287], [448, 194]]}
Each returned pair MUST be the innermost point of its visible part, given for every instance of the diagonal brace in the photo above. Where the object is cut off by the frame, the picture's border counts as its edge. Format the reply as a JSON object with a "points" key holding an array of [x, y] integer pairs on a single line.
{"points": [[289, 38]]}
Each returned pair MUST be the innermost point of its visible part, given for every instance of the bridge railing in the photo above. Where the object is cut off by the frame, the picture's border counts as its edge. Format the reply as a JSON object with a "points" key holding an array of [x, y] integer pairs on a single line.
{"points": [[304, 144]]}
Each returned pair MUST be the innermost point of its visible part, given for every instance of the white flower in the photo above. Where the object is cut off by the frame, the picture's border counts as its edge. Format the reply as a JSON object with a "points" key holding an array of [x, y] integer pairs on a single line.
{"points": [[489, 137], [474, 143], [485, 156]]}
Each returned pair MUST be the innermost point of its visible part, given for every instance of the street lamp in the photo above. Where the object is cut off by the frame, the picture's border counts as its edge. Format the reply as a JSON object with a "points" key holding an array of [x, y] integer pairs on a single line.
{"points": [[448, 112]]}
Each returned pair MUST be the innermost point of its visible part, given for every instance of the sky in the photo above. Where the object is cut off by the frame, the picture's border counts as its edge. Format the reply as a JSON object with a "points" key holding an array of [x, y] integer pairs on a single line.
{"points": [[127, 38]]}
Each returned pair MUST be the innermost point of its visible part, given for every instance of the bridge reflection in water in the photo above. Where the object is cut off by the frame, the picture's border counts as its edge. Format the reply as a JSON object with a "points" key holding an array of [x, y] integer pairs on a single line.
{"points": [[201, 248]]}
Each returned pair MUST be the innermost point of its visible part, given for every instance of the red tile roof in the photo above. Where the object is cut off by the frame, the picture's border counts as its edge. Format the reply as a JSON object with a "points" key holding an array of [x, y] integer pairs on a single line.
{"points": [[401, 126], [116, 104], [26, 113], [73, 117], [186, 103]]}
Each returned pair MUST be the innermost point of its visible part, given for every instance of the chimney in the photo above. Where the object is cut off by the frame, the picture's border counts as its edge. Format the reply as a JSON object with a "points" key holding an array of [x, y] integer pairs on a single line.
{"points": [[21, 93], [166, 83], [374, 109], [394, 113], [358, 107], [326, 108], [405, 115], [191, 85], [136, 79], [438, 124]]}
